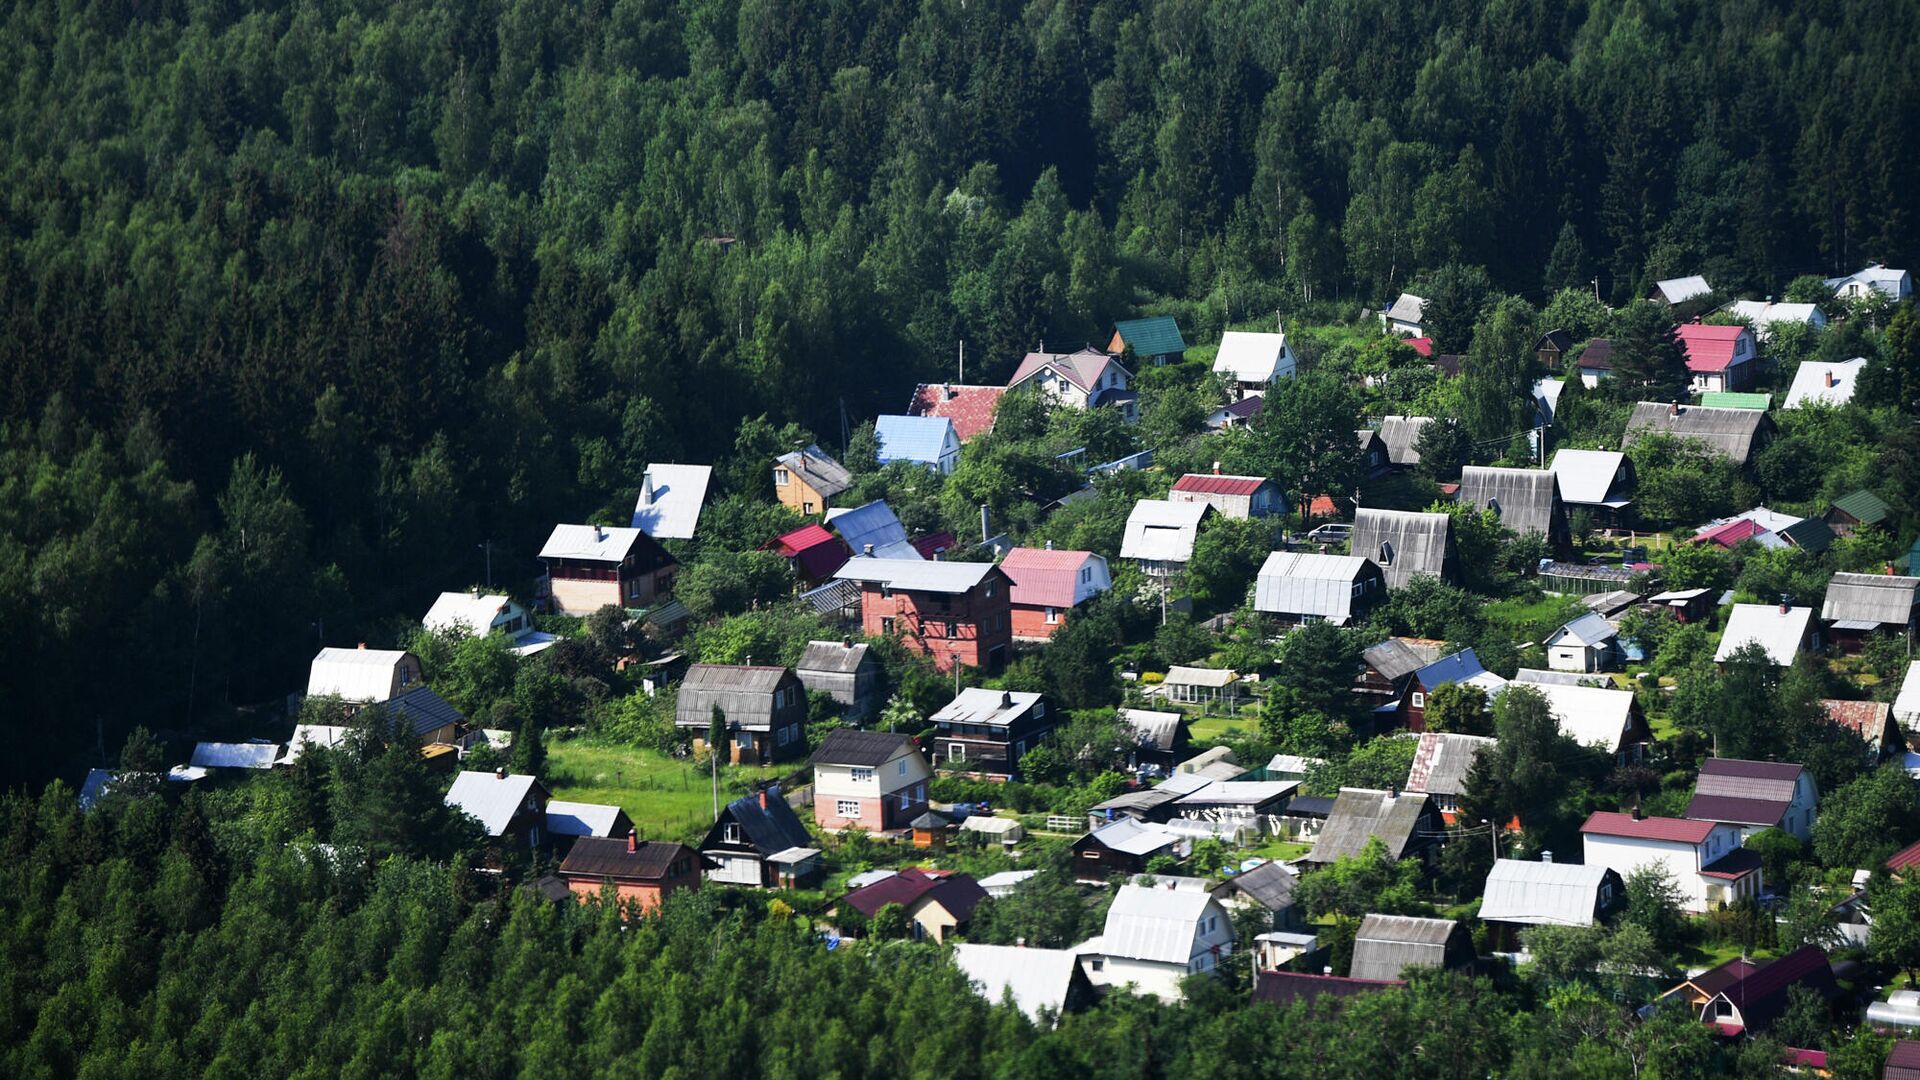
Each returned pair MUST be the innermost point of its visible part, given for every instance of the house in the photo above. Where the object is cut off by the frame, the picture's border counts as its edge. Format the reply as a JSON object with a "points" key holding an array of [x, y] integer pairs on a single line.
{"points": [[1403, 316], [1297, 588], [1267, 887], [1906, 706], [1754, 796], [1741, 997], [671, 498], [477, 614], [1401, 434], [1387, 945], [1404, 544], [1527, 501], [1440, 766], [1406, 822], [245, 755], [1588, 643], [1251, 362], [1203, 686], [1872, 723], [508, 806], [363, 675], [1160, 534], [1374, 457], [874, 530], [935, 904], [1679, 290], [1858, 510], [1687, 605], [970, 408], [956, 613], [1409, 709], [1239, 497], [846, 671], [1155, 339], [763, 709], [1858, 605], [813, 552], [593, 566], [1552, 347], [758, 841], [1704, 858], [1895, 285], [1719, 357], [1160, 737], [430, 717], [1043, 983], [1283, 988], [1734, 434], [578, 819], [872, 780], [918, 440], [1764, 315], [1520, 894], [1237, 414], [1818, 383], [983, 730], [1124, 846], [805, 481], [1781, 630], [1243, 807], [641, 873], [1595, 362], [1385, 668], [1085, 379], [1600, 717], [1047, 585], [1154, 938]]}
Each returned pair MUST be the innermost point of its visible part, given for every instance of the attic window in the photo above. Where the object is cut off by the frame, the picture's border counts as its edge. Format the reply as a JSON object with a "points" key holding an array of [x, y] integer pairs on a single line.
{"points": [[1386, 553], [1493, 504], [781, 477], [730, 833]]}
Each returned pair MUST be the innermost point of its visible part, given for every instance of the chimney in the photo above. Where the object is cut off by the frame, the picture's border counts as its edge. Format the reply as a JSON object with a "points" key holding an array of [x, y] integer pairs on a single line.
{"points": [[948, 388], [633, 840], [763, 798], [1049, 545], [1673, 408], [646, 488], [985, 535], [1546, 856], [846, 641], [1830, 378], [599, 533], [1639, 814], [362, 645], [866, 549], [1006, 699], [1019, 943], [1786, 603], [749, 659], [500, 773], [1216, 468], [1393, 791]]}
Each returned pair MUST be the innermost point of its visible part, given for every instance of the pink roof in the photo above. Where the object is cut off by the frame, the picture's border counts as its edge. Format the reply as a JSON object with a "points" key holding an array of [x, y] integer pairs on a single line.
{"points": [[1083, 369], [1905, 857], [969, 407], [1421, 345], [1043, 578], [1215, 484], [1709, 348], [1732, 533], [818, 551], [1664, 829]]}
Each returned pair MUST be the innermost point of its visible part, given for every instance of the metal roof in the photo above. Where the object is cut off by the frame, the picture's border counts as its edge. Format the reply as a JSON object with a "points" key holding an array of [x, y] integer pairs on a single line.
{"points": [[1037, 979], [1253, 357], [970, 408], [1154, 729], [671, 498], [834, 657], [354, 674], [1864, 507], [1300, 583], [582, 819], [768, 825], [1407, 308], [219, 755], [1386, 945], [590, 543], [1270, 885], [423, 711], [1778, 633], [916, 575], [1590, 715], [833, 597], [1403, 543], [1152, 335], [744, 694], [1525, 500], [1441, 761], [1159, 925], [1906, 706], [1083, 368], [875, 524], [1163, 531], [1542, 893], [1729, 433], [1217, 484], [1820, 383], [604, 857], [306, 735], [1874, 598], [1401, 434], [1179, 675], [1044, 577], [491, 798], [824, 475], [473, 611], [1735, 399], [1587, 477], [978, 705], [1675, 290], [1663, 830], [847, 746], [1543, 677], [1131, 837], [926, 440], [1398, 657], [1588, 629]]}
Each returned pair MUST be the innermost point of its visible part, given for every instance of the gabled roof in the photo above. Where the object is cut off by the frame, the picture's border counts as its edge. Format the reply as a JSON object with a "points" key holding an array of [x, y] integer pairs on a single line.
{"points": [[1283, 988], [1557, 340], [1730, 433], [1402, 434], [1709, 348], [834, 657], [608, 857], [1542, 893], [875, 524], [1743, 792], [1044, 577], [1130, 837], [1217, 484], [922, 439], [1252, 358], [1880, 599], [1764, 313], [1407, 308], [1676, 290], [743, 692], [1398, 657], [969, 407], [1811, 534], [492, 798], [219, 755], [1543, 677], [1663, 830], [1441, 761], [1523, 499], [818, 551], [818, 469], [583, 819], [1158, 925], [591, 543], [1588, 629], [1246, 408], [979, 705], [1906, 706], [1152, 335], [423, 711], [472, 610], [1154, 729], [1761, 996], [1270, 885], [1779, 633], [1866, 719], [1462, 667], [1302, 583], [1612, 603], [1877, 275], [917, 575], [1864, 507], [1403, 543], [1385, 945], [671, 498], [1597, 356], [1163, 531], [354, 674], [1590, 715], [1360, 814], [958, 893], [846, 746], [1083, 369], [1730, 534], [1037, 979], [769, 829], [1818, 382]]}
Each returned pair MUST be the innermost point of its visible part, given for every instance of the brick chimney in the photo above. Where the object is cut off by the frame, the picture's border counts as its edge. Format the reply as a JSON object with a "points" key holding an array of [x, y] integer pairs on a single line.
{"points": [[362, 645], [500, 773], [1673, 408], [763, 798], [633, 840], [1786, 603], [1830, 379]]}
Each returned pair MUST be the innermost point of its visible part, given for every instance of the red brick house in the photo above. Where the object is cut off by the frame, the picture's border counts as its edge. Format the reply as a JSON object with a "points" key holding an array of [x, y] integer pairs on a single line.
{"points": [[643, 873], [1047, 584], [956, 613]]}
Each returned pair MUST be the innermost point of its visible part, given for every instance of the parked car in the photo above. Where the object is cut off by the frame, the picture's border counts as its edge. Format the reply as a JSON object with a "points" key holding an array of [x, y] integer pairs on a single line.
{"points": [[1331, 534]]}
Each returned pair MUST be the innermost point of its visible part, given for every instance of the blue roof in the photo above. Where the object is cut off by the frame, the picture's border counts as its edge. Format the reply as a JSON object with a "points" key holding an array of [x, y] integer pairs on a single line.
{"points": [[874, 523], [1457, 668], [913, 438], [1155, 335]]}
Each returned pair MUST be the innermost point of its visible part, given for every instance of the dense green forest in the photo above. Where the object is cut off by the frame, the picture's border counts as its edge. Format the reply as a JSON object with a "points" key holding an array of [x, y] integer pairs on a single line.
{"points": [[302, 301]]}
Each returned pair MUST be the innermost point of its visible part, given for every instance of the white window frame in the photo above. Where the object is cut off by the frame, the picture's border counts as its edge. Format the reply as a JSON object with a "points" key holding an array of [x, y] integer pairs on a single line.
{"points": [[846, 808], [781, 477], [1053, 616], [862, 774], [1419, 700], [903, 766], [956, 751]]}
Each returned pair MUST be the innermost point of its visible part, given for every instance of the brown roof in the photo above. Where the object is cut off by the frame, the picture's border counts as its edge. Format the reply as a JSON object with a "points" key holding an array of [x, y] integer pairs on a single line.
{"points": [[969, 407], [606, 857], [1287, 987], [1867, 719], [958, 893]]}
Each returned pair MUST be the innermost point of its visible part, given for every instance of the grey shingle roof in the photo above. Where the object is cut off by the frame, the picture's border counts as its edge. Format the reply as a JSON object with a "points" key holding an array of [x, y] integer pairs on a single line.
{"points": [[821, 472], [1525, 500], [1729, 433], [845, 746], [1396, 658], [1403, 543], [833, 656], [1270, 885], [769, 830]]}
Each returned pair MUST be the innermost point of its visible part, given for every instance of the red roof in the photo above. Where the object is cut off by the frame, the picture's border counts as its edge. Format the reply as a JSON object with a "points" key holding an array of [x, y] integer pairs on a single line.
{"points": [[1665, 829], [1732, 533], [1322, 506], [1421, 345], [931, 545], [818, 551], [1709, 348], [1867, 719], [958, 893], [1043, 578], [969, 407], [1905, 857], [1215, 484]]}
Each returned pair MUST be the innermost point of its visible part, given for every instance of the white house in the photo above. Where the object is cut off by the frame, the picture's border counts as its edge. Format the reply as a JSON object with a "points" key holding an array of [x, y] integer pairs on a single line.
{"points": [[1764, 315], [1404, 315], [1252, 362], [477, 614], [873, 780], [1085, 379], [1588, 643], [1156, 937], [1781, 630], [1818, 383], [1160, 534], [363, 675], [1704, 858], [1895, 284], [1754, 796]]}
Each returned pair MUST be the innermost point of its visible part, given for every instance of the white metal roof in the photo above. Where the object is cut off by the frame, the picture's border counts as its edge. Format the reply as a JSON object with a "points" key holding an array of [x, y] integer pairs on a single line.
{"points": [[1005, 881], [1906, 707], [1162, 531], [353, 674], [1778, 632], [581, 819], [1407, 308], [1675, 290], [220, 755], [1817, 382], [475, 612], [1253, 357], [1590, 715], [590, 543], [979, 705], [1303, 583], [491, 799], [1764, 313], [305, 735], [670, 501], [1134, 838], [1201, 676], [1155, 924], [915, 575], [1037, 978], [1542, 893], [1586, 476]]}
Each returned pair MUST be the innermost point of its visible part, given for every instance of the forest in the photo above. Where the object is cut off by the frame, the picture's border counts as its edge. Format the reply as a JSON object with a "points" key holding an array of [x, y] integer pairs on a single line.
{"points": [[312, 310]]}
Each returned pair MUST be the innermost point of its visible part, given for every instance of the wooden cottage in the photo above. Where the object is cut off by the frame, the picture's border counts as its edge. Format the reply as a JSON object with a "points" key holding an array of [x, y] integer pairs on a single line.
{"points": [[763, 709]]}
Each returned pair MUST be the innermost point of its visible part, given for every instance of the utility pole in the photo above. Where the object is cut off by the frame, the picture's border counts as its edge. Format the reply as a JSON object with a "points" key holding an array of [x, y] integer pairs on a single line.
{"points": [[487, 547], [1493, 837], [713, 763], [1596, 290], [963, 361]]}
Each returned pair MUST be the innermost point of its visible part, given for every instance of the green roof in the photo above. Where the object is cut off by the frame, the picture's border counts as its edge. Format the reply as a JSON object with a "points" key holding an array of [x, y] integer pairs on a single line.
{"points": [[1864, 507], [1809, 534], [1155, 335], [1727, 399]]}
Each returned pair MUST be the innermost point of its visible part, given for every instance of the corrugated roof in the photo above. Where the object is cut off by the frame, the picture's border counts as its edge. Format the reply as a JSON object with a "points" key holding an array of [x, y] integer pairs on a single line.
{"points": [[821, 472], [1407, 308], [1542, 677], [1179, 675], [219, 755], [1301, 583], [1441, 761], [1676, 290], [314, 735], [1525, 500], [600, 857], [1283, 988], [1403, 543], [1906, 707], [1160, 925], [1360, 814], [1588, 477], [1132, 837], [743, 692], [1270, 885], [1729, 433], [1588, 629], [671, 498], [1386, 945], [1819, 383], [1662, 829], [1597, 355], [1398, 657], [917, 575], [354, 674], [1401, 434], [1154, 729], [1043, 577], [874, 523], [1162, 531], [473, 613], [1457, 667], [846, 746], [1735, 399], [979, 705], [834, 657], [1216, 484], [1778, 633], [590, 543], [492, 799], [1867, 719], [1151, 335], [1037, 979], [969, 407], [1246, 793], [423, 711], [583, 819], [817, 551], [833, 597], [1542, 893], [1812, 534], [1709, 348], [1864, 507], [1590, 715], [1252, 357], [1875, 598], [926, 440]]}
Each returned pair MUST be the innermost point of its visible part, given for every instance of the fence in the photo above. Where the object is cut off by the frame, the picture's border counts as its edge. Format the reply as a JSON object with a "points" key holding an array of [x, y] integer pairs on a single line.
{"points": [[1064, 823]]}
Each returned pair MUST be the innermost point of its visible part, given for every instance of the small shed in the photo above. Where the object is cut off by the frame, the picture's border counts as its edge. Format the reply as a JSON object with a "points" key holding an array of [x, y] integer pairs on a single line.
{"points": [[1551, 347], [1387, 945], [1588, 643], [844, 670], [999, 829], [1197, 685], [1687, 605], [930, 830], [1858, 510]]}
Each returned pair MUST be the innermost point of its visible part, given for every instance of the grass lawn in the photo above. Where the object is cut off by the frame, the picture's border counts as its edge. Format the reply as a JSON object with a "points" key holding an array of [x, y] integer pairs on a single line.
{"points": [[666, 798], [1279, 850], [1533, 619], [1706, 956], [1219, 727]]}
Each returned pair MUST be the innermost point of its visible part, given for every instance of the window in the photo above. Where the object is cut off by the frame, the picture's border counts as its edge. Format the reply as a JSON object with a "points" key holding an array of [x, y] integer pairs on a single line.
{"points": [[953, 629], [861, 776], [730, 832], [745, 739], [1359, 587], [1097, 963], [847, 808], [1053, 615], [1086, 575], [1419, 700], [956, 752], [903, 766], [781, 477], [806, 507], [1039, 709], [906, 799], [1386, 553], [886, 624]]}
